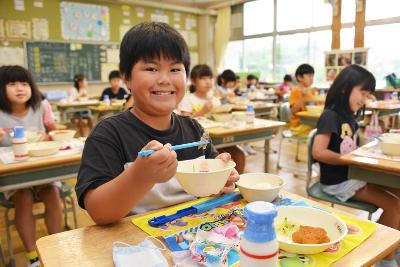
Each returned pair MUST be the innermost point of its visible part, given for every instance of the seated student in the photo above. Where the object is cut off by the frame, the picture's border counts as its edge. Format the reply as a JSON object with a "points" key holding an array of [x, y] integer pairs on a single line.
{"points": [[79, 90], [335, 136], [226, 83], [199, 103], [112, 180], [285, 87], [21, 104], [301, 94], [251, 81], [115, 91]]}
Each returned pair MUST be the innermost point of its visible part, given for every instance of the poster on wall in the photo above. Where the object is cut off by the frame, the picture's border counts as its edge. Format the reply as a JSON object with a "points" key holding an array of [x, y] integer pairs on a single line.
{"points": [[336, 60], [40, 29], [12, 56], [18, 29], [85, 22]]}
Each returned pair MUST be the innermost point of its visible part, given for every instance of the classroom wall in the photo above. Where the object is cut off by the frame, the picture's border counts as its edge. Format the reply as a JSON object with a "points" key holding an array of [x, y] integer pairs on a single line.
{"points": [[118, 17]]}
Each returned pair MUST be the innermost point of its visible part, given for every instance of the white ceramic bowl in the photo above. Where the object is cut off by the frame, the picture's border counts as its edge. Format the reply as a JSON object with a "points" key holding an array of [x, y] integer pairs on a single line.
{"points": [[335, 227], [62, 135], [259, 186], [390, 144], [32, 136], [222, 117], [41, 149], [222, 108], [202, 184]]}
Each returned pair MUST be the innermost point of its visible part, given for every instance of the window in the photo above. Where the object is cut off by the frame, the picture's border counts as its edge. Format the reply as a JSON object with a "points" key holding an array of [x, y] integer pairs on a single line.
{"points": [[376, 39], [322, 13], [293, 15], [378, 9], [292, 50], [258, 17], [348, 11], [258, 57], [347, 38], [233, 58], [320, 42]]}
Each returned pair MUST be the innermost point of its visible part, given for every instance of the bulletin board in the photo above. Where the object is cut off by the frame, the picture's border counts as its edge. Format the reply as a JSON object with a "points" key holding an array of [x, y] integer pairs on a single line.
{"points": [[336, 60]]}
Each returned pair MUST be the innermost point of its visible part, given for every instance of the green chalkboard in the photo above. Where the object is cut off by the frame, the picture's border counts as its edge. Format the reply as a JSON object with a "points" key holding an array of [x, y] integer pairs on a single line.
{"points": [[58, 62]]}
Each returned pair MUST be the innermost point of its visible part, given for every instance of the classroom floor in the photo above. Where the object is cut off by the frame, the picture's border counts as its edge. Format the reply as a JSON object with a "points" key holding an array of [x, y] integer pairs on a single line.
{"points": [[254, 163]]}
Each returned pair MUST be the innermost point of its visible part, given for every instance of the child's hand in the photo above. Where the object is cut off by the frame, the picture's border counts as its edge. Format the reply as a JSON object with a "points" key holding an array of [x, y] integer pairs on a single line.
{"points": [[233, 176], [44, 137], [160, 166], [207, 107]]}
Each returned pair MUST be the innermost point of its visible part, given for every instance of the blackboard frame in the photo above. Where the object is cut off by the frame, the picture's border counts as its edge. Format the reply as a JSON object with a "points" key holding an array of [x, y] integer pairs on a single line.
{"points": [[38, 81]]}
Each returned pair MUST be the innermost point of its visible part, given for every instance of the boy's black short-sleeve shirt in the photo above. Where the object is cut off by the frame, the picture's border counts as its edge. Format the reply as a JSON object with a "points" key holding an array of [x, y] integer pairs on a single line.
{"points": [[116, 141], [338, 126], [119, 95]]}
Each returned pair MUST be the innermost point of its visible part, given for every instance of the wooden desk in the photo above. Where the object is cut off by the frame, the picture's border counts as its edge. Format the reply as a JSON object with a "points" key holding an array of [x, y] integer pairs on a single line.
{"points": [[372, 170], [92, 245], [308, 118], [260, 109], [75, 106], [30, 173], [262, 130], [384, 108], [102, 111]]}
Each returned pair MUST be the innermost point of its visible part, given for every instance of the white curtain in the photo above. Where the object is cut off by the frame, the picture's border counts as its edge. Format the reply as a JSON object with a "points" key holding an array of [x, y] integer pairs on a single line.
{"points": [[222, 34]]}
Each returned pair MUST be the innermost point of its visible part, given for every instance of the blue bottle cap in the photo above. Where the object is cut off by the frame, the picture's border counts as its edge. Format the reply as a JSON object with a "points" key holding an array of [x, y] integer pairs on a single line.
{"points": [[250, 108], [19, 132], [260, 217]]}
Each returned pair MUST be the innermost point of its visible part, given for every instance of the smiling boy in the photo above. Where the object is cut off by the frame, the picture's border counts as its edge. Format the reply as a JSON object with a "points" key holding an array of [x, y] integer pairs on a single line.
{"points": [[154, 62]]}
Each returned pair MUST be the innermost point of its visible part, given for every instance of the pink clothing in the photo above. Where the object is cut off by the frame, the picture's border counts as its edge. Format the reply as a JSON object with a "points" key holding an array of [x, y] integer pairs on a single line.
{"points": [[284, 88], [48, 115]]}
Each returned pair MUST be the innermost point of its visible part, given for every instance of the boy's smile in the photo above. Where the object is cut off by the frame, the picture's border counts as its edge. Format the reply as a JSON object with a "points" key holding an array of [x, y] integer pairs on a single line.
{"points": [[157, 86]]}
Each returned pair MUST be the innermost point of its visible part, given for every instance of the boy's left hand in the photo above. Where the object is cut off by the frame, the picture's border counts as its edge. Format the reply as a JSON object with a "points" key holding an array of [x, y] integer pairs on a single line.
{"points": [[233, 176]]}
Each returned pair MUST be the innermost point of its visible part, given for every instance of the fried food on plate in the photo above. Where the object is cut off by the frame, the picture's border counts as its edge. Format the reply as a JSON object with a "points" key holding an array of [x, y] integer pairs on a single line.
{"points": [[310, 235]]}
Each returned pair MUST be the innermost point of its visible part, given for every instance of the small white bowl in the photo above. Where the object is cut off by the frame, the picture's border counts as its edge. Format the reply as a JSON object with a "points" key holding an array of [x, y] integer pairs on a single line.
{"points": [[335, 227], [222, 108], [41, 149], [390, 144], [222, 117], [315, 109], [202, 184], [62, 135], [33, 136], [259, 186]]}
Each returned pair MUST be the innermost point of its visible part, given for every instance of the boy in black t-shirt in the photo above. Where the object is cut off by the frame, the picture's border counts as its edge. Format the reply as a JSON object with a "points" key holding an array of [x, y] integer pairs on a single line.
{"points": [[115, 91], [154, 61]]}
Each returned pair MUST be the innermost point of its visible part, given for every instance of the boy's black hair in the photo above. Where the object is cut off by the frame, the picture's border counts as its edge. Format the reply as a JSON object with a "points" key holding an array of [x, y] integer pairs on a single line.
{"points": [[150, 40], [287, 78], [114, 74], [78, 78], [226, 76], [304, 69], [340, 90], [10, 74], [251, 77], [199, 71]]}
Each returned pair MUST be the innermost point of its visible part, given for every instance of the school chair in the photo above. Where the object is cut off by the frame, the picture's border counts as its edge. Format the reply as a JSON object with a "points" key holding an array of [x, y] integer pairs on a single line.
{"points": [[315, 190], [285, 115], [66, 193]]}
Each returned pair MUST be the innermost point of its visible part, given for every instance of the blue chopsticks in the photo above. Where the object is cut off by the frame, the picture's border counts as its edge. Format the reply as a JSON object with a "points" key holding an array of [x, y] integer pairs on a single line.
{"points": [[148, 152]]}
